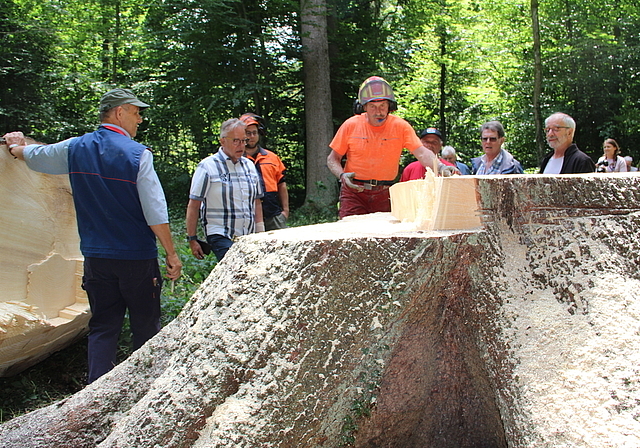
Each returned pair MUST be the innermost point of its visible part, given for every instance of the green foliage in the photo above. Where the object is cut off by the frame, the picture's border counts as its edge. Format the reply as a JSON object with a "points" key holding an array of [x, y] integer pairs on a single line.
{"points": [[311, 214]]}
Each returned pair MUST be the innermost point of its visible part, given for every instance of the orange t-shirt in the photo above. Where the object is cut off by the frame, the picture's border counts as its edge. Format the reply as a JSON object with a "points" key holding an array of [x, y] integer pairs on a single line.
{"points": [[373, 152]]}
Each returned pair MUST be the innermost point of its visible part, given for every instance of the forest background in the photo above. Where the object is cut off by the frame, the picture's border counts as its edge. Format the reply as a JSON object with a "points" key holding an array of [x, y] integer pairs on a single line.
{"points": [[452, 64]]}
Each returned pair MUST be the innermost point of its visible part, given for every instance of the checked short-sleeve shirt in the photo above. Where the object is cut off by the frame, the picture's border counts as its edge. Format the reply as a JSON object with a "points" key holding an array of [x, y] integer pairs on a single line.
{"points": [[228, 192]]}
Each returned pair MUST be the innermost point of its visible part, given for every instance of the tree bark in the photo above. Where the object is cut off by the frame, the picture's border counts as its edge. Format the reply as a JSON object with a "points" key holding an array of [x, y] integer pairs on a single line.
{"points": [[537, 81], [321, 185]]}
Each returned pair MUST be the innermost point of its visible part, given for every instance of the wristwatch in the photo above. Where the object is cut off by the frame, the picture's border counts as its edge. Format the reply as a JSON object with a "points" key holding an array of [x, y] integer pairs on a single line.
{"points": [[192, 238]]}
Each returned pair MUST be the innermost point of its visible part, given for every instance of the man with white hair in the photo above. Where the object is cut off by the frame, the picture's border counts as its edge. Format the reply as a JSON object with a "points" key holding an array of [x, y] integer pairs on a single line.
{"points": [[225, 193], [629, 161], [449, 154], [565, 158]]}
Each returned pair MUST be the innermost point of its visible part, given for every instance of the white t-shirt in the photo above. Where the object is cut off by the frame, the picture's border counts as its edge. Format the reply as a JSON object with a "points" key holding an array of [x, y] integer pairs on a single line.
{"points": [[554, 166]]}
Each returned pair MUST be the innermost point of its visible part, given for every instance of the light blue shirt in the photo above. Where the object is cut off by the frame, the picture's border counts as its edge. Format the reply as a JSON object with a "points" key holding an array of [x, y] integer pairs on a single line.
{"points": [[54, 159]]}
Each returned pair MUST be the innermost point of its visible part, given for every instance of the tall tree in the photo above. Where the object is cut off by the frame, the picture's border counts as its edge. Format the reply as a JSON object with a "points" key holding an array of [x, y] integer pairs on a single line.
{"points": [[537, 83], [321, 184]]}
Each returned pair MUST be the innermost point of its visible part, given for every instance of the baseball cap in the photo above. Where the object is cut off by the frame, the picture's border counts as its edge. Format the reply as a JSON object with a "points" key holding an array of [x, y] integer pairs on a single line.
{"points": [[251, 118], [431, 131], [118, 97]]}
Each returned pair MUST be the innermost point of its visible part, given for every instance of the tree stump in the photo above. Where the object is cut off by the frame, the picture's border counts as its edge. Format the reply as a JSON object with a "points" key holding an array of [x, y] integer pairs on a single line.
{"points": [[522, 332]]}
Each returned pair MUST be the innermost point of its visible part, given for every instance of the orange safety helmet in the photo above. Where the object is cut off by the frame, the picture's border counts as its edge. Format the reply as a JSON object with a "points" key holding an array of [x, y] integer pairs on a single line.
{"points": [[250, 118]]}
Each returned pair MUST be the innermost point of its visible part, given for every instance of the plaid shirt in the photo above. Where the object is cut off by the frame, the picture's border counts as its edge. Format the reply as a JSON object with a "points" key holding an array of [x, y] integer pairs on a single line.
{"points": [[228, 192], [495, 166]]}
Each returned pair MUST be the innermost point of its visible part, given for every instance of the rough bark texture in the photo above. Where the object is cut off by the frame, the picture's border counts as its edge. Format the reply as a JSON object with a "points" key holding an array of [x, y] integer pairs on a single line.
{"points": [[321, 184], [361, 333]]}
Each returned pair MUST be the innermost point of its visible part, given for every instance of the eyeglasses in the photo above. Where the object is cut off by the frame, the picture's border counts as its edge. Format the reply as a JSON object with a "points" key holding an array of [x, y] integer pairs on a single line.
{"points": [[554, 129], [489, 139], [239, 141]]}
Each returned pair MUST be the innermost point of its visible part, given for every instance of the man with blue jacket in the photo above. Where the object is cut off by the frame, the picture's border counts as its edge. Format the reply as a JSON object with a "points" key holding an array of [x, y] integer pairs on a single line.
{"points": [[120, 209], [495, 159]]}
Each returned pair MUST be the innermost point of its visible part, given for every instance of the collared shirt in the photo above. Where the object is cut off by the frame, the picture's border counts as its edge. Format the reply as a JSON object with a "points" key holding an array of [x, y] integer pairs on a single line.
{"points": [[228, 192], [494, 168], [54, 159]]}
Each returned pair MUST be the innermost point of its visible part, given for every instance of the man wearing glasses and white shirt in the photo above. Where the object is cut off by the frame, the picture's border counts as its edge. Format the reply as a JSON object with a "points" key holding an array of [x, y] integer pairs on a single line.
{"points": [[495, 159], [225, 193], [565, 158]]}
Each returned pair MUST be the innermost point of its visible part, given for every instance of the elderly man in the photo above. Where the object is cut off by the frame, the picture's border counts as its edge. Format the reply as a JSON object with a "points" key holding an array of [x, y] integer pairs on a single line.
{"points": [[225, 193], [629, 161], [120, 209], [431, 139], [565, 158], [372, 141], [495, 159], [449, 154], [275, 202]]}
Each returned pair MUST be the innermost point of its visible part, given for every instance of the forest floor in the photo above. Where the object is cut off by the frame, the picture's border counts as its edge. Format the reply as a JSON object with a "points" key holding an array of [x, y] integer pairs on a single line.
{"points": [[60, 375]]}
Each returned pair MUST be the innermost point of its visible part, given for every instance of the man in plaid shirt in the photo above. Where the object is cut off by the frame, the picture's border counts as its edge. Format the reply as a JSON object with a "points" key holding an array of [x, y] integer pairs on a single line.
{"points": [[225, 193]]}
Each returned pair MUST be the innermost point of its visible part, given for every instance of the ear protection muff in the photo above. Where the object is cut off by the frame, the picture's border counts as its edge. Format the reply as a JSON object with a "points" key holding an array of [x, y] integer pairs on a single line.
{"points": [[359, 108]]}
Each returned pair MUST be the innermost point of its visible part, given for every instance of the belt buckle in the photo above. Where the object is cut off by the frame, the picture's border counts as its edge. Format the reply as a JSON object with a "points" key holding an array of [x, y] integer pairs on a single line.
{"points": [[373, 182]]}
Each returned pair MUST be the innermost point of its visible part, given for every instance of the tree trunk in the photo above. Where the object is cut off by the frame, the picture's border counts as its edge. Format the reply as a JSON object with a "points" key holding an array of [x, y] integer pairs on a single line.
{"points": [[443, 80], [520, 333], [321, 185], [537, 82]]}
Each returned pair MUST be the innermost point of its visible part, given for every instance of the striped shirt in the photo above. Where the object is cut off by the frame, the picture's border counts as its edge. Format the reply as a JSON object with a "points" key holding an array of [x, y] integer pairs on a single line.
{"points": [[228, 192]]}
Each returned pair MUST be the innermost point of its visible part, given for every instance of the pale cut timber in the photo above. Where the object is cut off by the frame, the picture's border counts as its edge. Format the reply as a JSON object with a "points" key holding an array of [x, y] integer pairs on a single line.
{"points": [[437, 203], [43, 307]]}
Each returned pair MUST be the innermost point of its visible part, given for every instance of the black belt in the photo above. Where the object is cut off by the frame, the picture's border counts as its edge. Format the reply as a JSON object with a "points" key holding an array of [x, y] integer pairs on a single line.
{"points": [[375, 183]]}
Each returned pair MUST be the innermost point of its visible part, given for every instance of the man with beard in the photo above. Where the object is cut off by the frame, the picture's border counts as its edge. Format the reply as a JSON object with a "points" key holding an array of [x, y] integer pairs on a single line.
{"points": [[565, 158], [275, 202], [372, 142]]}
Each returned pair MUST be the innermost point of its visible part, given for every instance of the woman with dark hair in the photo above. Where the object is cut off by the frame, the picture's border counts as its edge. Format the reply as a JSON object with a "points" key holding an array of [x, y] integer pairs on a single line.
{"points": [[611, 161]]}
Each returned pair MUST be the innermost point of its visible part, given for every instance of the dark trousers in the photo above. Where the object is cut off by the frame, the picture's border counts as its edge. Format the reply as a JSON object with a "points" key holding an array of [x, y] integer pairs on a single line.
{"points": [[220, 244], [113, 287]]}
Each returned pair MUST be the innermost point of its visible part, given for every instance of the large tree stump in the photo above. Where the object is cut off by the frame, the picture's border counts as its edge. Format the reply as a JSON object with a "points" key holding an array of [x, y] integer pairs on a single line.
{"points": [[521, 333], [42, 305]]}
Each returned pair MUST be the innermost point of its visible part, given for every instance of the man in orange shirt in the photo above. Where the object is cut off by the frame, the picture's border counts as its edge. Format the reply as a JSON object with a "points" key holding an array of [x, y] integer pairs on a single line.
{"points": [[275, 203], [372, 141]]}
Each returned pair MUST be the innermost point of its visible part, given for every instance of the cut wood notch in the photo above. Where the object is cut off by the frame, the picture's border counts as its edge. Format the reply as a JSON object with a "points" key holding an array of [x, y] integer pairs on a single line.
{"points": [[437, 203]]}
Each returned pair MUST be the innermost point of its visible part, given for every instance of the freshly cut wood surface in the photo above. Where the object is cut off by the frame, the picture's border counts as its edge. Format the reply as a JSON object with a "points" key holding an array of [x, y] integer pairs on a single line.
{"points": [[437, 203], [42, 305]]}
